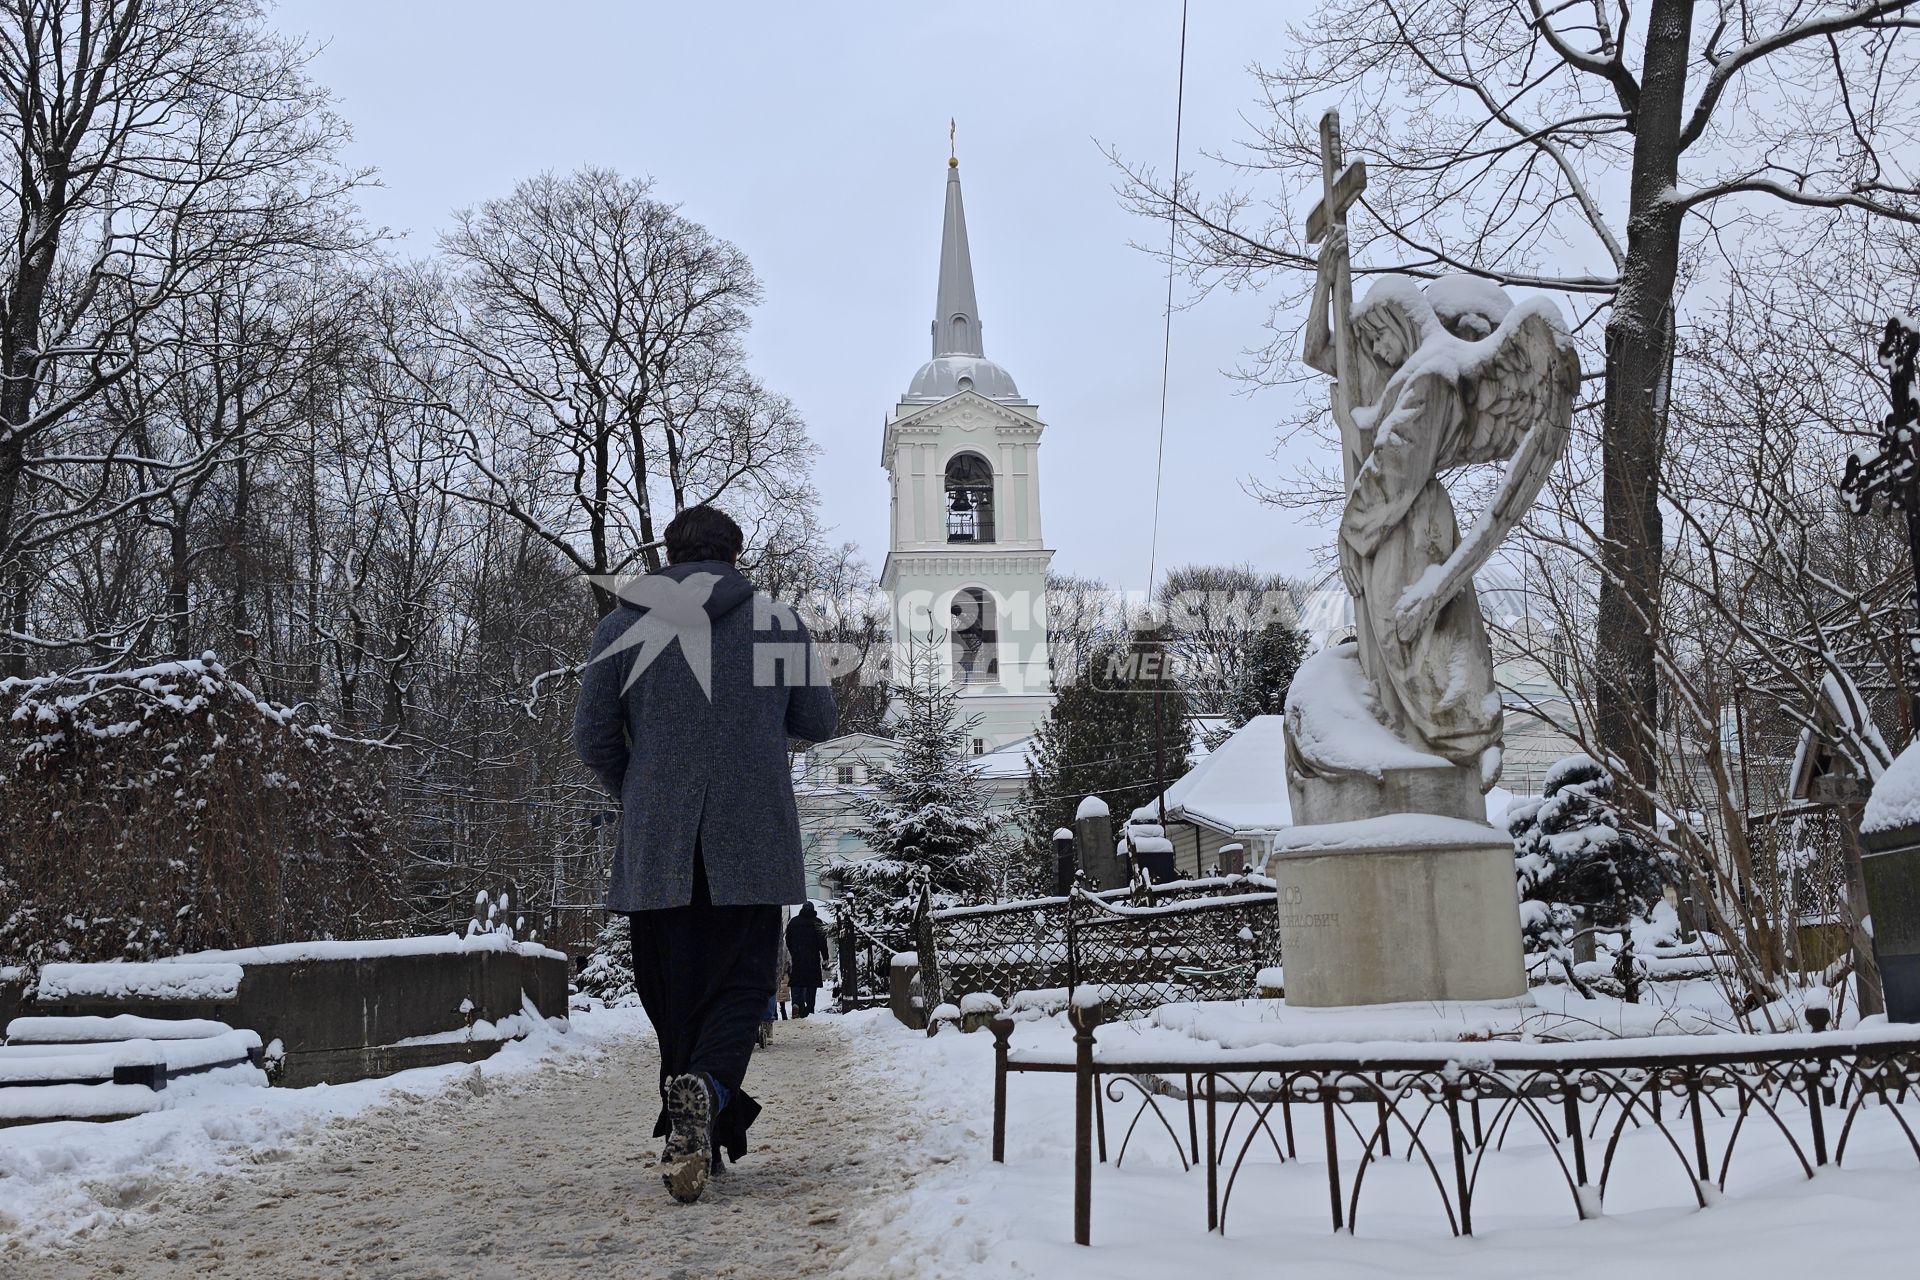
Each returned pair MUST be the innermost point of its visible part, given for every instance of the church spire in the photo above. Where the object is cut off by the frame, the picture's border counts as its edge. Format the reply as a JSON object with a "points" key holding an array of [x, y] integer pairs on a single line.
{"points": [[956, 315]]}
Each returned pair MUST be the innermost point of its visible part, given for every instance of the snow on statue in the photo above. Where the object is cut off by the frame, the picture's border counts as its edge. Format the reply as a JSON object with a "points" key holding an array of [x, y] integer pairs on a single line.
{"points": [[1429, 380]]}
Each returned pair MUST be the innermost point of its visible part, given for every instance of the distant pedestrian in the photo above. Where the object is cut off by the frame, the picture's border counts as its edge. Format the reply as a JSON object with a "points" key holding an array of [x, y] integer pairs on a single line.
{"points": [[807, 946], [692, 691]]}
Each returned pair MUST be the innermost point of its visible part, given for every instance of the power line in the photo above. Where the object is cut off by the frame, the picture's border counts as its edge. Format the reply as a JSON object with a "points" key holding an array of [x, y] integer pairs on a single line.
{"points": [[1166, 367], [1166, 335]]}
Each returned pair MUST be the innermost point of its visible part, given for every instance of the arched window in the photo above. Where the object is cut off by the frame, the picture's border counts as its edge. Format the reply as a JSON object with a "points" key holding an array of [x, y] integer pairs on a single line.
{"points": [[969, 499], [975, 641]]}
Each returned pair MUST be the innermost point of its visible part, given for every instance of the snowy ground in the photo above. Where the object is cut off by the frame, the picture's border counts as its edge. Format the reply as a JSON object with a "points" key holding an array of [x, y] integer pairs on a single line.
{"points": [[969, 1217], [541, 1169], [872, 1161]]}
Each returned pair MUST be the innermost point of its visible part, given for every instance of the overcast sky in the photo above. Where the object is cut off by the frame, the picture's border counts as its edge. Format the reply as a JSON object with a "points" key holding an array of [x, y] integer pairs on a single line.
{"points": [[814, 136]]}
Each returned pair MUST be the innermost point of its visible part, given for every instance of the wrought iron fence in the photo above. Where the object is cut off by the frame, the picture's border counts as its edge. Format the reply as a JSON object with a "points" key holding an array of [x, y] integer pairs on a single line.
{"points": [[1449, 1107], [1185, 940], [865, 958]]}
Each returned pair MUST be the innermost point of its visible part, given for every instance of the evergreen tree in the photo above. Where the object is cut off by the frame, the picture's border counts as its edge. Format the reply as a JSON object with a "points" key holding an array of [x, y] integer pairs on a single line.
{"points": [[1099, 740], [608, 973], [926, 816], [1575, 864], [1259, 686]]}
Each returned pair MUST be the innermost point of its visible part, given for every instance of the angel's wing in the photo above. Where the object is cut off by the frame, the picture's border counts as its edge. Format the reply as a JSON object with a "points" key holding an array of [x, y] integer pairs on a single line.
{"points": [[1530, 378], [1523, 412]]}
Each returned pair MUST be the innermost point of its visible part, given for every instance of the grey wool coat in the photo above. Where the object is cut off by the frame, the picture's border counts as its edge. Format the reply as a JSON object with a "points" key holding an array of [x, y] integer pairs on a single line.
{"points": [[691, 691]]}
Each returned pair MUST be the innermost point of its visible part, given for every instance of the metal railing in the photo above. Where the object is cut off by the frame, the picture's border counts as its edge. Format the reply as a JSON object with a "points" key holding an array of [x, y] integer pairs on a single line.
{"points": [[1451, 1107], [1183, 940]]}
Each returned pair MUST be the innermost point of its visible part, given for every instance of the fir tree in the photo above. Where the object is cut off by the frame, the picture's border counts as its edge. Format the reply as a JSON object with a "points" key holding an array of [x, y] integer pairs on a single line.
{"points": [[608, 973], [926, 816], [1259, 687], [1099, 741], [1575, 864]]}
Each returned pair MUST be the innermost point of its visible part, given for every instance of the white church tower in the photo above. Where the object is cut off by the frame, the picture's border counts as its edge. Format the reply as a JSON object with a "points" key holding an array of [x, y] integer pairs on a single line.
{"points": [[966, 564]]}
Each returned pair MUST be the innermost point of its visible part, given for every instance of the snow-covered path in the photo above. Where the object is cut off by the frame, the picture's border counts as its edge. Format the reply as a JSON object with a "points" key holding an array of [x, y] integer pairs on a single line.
{"points": [[549, 1173]]}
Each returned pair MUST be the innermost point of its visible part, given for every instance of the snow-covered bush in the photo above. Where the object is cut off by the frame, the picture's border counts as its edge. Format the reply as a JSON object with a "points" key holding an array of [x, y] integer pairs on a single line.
{"points": [[169, 809], [608, 973], [1577, 869]]}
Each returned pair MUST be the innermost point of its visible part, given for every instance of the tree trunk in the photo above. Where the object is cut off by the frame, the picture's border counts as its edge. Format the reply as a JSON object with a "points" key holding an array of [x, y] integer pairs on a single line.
{"points": [[1639, 358], [13, 578], [179, 586]]}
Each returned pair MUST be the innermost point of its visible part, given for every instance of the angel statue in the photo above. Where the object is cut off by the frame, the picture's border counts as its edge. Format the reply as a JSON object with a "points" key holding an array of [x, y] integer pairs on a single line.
{"points": [[1428, 380]]}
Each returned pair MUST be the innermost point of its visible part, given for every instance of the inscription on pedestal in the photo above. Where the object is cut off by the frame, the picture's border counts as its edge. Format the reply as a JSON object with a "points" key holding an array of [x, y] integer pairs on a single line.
{"points": [[1293, 917]]}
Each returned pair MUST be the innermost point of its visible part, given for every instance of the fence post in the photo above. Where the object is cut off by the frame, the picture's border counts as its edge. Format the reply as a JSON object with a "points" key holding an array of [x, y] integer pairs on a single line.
{"points": [[1073, 940], [1084, 1018], [1213, 1156], [933, 987], [1463, 1190], [1699, 1121], [1576, 1132], [849, 969], [1002, 1028], [1815, 1078], [1328, 1100]]}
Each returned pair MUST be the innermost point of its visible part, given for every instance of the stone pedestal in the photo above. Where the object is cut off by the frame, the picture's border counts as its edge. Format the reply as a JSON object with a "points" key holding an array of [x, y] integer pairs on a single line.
{"points": [[1399, 908]]}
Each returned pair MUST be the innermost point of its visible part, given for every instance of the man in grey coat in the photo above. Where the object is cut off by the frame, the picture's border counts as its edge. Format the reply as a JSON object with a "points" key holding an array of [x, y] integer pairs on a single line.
{"points": [[691, 692]]}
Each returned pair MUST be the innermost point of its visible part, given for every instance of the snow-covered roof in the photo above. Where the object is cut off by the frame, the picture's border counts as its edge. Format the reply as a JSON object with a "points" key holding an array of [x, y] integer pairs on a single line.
{"points": [[1242, 785], [1009, 760]]}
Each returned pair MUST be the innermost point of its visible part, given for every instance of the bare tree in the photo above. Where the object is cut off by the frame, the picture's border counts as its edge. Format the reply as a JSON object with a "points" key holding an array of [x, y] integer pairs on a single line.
{"points": [[1082, 615], [1603, 150], [1780, 610], [601, 331], [152, 143], [1214, 613]]}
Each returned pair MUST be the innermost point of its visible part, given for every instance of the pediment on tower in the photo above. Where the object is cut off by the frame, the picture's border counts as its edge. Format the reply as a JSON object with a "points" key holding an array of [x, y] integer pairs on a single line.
{"points": [[969, 411], [962, 416]]}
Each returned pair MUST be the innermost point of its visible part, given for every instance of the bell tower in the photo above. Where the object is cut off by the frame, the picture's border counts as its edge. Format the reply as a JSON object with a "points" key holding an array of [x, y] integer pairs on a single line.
{"points": [[966, 566]]}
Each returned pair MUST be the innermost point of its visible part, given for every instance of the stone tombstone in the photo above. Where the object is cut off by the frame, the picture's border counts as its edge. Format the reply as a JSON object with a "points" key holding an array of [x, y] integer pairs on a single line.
{"points": [[1093, 837], [1063, 861], [1393, 886]]}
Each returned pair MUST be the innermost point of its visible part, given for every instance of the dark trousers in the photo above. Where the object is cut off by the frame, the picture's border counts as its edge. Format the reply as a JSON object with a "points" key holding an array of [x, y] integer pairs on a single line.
{"points": [[803, 1000], [704, 975]]}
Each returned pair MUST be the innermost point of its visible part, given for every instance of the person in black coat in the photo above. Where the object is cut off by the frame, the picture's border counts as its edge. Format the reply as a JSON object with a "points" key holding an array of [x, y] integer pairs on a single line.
{"points": [[694, 687], [808, 948]]}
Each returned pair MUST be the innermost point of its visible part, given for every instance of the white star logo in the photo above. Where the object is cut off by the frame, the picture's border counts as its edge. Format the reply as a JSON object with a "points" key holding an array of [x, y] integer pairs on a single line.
{"points": [[676, 609]]}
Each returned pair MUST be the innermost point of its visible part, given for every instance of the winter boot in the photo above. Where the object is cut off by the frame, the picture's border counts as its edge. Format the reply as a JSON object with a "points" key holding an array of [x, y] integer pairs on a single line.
{"points": [[684, 1165]]}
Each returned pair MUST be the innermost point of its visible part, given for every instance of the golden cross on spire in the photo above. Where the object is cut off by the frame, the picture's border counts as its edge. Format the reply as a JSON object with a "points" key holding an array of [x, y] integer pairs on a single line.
{"points": [[953, 156]]}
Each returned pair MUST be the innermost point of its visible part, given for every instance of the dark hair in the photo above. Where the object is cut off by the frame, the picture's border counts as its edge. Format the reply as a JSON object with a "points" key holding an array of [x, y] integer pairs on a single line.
{"points": [[703, 533]]}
